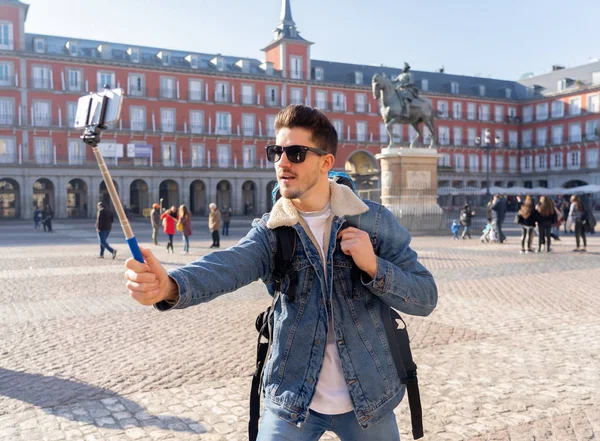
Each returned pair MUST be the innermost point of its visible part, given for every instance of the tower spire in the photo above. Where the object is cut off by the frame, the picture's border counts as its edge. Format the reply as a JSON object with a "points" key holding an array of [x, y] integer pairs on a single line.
{"points": [[286, 14]]}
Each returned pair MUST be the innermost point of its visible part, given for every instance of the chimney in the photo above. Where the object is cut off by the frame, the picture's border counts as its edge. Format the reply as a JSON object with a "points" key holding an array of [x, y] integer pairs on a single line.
{"points": [[556, 67]]}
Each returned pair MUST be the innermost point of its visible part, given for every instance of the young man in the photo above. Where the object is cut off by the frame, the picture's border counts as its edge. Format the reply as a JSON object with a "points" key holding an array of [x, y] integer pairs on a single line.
{"points": [[104, 220], [330, 366]]}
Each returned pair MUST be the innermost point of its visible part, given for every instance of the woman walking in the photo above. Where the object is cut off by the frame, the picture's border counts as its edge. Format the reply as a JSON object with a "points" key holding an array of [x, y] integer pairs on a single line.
{"points": [[526, 217], [168, 220], [577, 217], [214, 223], [185, 219], [546, 216]]}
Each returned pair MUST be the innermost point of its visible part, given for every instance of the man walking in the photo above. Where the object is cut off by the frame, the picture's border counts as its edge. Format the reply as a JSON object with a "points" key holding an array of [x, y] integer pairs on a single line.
{"points": [[214, 223], [155, 221], [104, 220], [498, 215], [330, 365]]}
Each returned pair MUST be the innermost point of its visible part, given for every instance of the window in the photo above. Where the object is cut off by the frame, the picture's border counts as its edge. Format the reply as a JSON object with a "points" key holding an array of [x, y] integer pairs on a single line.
{"points": [[508, 93], [561, 84], [6, 70], [444, 135], [575, 106], [361, 102], [43, 150], [499, 114], [471, 135], [444, 160], [591, 158], [499, 160], [442, 107], [248, 124], [319, 74], [271, 126], [134, 55], [39, 45], [529, 92], [457, 110], [499, 138], [540, 163], [527, 114], [167, 120], [541, 136], [248, 156], [526, 163], [8, 151], [321, 96], [167, 87], [481, 90], [512, 164], [557, 161], [271, 97], [295, 95], [105, 78], [196, 121], [574, 160], [593, 102], [575, 132], [136, 85], [73, 48], [513, 138], [361, 131], [527, 138], [247, 94], [459, 163], [220, 64], [6, 35], [221, 92], [338, 101], [41, 114], [224, 155], [71, 114], [512, 113], [541, 112], [169, 154], [557, 134], [7, 111], [484, 112], [383, 134], [223, 123], [358, 77], [471, 111], [138, 118], [77, 151], [591, 130], [457, 135], [74, 80], [296, 68], [454, 88], [485, 165], [41, 77], [424, 84], [558, 109], [165, 57], [197, 153], [473, 163], [338, 124]]}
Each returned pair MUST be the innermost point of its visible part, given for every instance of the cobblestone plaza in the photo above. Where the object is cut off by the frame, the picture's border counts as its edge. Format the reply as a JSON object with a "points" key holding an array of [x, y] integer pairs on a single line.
{"points": [[511, 352]]}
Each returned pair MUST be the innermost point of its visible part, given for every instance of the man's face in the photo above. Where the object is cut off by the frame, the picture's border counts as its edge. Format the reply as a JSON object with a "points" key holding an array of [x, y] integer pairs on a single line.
{"points": [[295, 180]]}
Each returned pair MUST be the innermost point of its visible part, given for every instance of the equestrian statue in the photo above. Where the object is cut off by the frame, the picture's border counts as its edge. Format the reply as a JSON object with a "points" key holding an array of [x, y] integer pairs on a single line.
{"points": [[400, 103]]}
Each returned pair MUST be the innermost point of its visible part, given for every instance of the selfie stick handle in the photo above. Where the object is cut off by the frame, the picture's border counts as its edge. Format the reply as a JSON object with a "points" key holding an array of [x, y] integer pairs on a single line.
{"points": [[91, 137]]}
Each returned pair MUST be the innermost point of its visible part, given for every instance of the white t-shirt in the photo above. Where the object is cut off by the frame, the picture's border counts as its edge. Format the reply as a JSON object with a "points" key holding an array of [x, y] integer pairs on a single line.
{"points": [[331, 393]]}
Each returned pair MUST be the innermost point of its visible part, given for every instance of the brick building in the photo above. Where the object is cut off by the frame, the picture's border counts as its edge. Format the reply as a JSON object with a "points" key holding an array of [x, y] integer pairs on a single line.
{"points": [[194, 125]]}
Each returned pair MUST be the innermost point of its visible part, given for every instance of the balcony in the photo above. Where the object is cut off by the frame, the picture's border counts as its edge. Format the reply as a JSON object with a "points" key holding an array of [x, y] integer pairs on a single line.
{"points": [[7, 119], [8, 82], [270, 102], [247, 100], [137, 92], [40, 83]]}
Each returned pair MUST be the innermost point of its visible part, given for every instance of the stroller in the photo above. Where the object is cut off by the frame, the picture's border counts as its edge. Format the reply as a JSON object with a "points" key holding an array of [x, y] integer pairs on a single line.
{"points": [[488, 234]]}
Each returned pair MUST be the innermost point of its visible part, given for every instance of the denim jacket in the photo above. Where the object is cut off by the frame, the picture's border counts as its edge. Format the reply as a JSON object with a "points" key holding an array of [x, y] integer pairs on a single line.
{"points": [[300, 327]]}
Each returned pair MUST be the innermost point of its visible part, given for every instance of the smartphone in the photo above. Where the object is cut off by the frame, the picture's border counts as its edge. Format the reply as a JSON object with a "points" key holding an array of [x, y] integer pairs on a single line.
{"points": [[89, 108]]}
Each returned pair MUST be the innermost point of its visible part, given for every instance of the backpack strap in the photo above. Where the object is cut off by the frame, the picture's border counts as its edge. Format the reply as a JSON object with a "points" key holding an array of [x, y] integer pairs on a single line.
{"points": [[286, 242]]}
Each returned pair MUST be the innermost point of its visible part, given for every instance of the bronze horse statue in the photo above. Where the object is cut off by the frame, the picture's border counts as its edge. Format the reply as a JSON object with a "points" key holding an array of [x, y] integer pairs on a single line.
{"points": [[420, 110]]}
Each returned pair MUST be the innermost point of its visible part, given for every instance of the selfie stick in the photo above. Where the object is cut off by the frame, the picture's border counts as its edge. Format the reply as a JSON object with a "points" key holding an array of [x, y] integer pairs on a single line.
{"points": [[91, 136]]}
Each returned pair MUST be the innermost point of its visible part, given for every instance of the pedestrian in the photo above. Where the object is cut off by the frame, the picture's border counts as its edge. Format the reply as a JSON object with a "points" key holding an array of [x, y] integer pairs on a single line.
{"points": [[168, 219], [330, 366], [527, 217], [214, 224], [565, 210], [155, 222], [546, 216], [37, 215], [466, 217], [498, 208], [226, 218], [559, 220], [185, 220], [104, 220], [47, 215], [455, 228], [577, 219]]}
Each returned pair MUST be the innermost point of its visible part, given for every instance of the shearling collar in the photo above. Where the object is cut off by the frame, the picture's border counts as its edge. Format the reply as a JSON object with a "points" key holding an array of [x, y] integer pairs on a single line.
{"points": [[344, 202]]}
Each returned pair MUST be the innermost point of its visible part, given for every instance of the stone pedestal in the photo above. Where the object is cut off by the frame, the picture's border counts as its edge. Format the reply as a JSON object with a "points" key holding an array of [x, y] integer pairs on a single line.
{"points": [[409, 187]]}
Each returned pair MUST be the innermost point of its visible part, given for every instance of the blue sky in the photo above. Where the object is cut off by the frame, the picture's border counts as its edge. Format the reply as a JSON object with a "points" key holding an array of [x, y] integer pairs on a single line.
{"points": [[501, 39]]}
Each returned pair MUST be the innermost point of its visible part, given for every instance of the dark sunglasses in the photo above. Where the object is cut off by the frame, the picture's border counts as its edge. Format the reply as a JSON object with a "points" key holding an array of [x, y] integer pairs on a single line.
{"points": [[295, 153]]}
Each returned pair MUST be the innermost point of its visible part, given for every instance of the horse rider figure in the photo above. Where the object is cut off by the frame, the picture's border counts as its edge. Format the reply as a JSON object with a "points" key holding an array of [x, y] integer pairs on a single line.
{"points": [[406, 89]]}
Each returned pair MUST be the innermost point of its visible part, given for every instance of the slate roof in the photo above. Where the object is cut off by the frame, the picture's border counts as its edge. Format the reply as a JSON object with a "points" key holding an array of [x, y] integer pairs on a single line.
{"points": [[576, 77]]}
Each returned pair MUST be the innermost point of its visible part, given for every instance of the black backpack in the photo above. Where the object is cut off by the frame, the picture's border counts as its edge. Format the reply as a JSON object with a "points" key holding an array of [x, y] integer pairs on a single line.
{"points": [[397, 336]]}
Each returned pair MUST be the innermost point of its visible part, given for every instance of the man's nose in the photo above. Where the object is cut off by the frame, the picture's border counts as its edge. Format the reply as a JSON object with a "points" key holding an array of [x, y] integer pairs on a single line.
{"points": [[284, 162]]}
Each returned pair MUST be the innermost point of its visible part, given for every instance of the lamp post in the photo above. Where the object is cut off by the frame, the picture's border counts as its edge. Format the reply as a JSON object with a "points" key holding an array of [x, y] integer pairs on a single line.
{"points": [[488, 144]]}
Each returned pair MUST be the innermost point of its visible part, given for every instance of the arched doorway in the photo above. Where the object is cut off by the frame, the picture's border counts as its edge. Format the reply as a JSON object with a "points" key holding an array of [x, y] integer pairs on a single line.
{"points": [[574, 183], [77, 203], [198, 198], [9, 199], [104, 196], [249, 197], [138, 196], [363, 169], [223, 194], [270, 186], [43, 193], [169, 193]]}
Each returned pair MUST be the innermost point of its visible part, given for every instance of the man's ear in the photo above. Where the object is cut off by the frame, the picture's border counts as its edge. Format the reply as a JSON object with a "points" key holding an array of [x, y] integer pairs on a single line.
{"points": [[328, 161]]}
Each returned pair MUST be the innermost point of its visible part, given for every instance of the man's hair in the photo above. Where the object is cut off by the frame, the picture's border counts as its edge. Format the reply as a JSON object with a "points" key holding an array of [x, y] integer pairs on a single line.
{"points": [[323, 133]]}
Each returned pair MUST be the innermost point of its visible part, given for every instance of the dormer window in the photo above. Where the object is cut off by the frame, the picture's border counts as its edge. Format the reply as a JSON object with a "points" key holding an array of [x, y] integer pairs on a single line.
{"points": [[73, 48], [319, 74], [134, 55], [529, 91], [508, 93], [105, 51], [219, 63], [358, 77], [454, 89], [165, 57], [39, 45], [481, 90], [561, 84], [194, 62], [6, 35], [424, 84]]}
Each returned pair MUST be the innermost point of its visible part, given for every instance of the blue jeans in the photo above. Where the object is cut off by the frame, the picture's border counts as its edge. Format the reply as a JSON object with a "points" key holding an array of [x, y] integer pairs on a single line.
{"points": [[186, 243], [345, 426], [103, 235]]}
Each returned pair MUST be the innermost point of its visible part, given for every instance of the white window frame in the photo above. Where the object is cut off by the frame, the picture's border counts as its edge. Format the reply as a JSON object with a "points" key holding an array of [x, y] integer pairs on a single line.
{"points": [[8, 150], [196, 121], [271, 99], [338, 101], [136, 84], [527, 138], [40, 117], [383, 134], [484, 112], [471, 111], [558, 109], [541, 112], [270, 126], [41, 80], [7, 111], [321, 99], [574, 160], [77, 151], [39, 45], [168, 154], [471, 136], [137, 118], [499, 135], [249, 156], [556, 161], [223, 155], [541, 136], [499, 114], [360, 102], [527, 114], [481, 90], [361, 131], [248, 124], [43, 152], [591, 158], [459, 162], [247, 98], [424, 84], [167, 119], [102, 74], [358, 77], [6, 35], [457, 110], [6, 71], [168, 85], [513, 164], [575, 135], [473, 163], [197, 155], [442, 108], [592, 128], [541, 162], [77, 75], [195, 89], [221, 92], [499, 163], [223, 123], [457, 140], [295, 67], [319, 74], [454, 88], [526, 163], [338, 125], [296, 95], [513, 139], [556, 138], [444, 135], [71, 114], [593, 103], [575, 106]]}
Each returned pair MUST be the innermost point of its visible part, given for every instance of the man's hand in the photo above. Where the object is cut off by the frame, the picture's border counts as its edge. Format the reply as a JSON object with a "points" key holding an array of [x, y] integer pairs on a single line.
{"points": [[148, 283], [357, 244]]}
